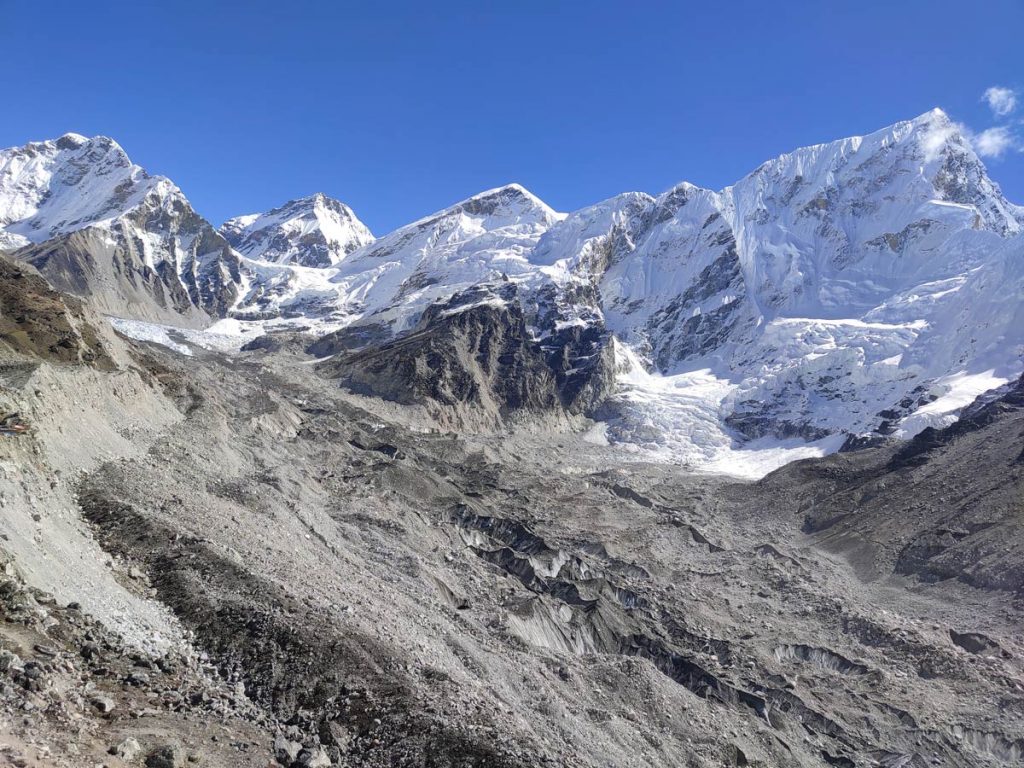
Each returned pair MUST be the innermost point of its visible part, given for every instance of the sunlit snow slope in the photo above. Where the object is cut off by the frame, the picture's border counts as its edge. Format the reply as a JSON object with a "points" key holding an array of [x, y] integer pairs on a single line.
{"points": [[315, 231]]}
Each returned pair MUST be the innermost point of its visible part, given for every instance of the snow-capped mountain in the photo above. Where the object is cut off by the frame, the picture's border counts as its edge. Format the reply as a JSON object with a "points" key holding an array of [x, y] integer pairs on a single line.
{"points": [[867, 286], [96, 224], [486, 238], [314, 231], [811, 288], [389, 283], [55, 187], [829, 231]]}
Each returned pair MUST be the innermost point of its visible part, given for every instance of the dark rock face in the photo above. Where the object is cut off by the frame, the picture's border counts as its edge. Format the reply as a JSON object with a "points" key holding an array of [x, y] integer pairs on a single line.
{"points": [[962, 179], [753, 421], [581, 358], [480, 354], [683, 333], [39, 322], [349, 339], [945, 505]]}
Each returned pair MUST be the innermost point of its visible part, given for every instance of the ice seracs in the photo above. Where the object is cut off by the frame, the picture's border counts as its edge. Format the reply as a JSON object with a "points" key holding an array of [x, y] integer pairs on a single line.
{"points": [[314, 231]]}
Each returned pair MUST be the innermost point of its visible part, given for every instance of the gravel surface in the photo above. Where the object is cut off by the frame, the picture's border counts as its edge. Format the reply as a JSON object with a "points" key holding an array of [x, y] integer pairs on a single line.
{"points": [[281, 573]]}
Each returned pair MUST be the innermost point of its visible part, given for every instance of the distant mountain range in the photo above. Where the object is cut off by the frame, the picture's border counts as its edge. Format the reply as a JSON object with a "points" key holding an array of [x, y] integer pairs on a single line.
{"points": [[847, 291]]}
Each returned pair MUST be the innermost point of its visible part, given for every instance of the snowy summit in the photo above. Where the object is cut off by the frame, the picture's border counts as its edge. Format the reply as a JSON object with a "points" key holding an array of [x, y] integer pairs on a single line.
{"points": [[314, 231]]}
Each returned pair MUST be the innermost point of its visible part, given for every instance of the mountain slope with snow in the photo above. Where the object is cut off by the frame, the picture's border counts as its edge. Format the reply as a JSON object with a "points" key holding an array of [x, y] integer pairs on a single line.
{"points": [[821, 290], [315, 231], [97, 225], [389, 283], [859, 288], [838, 228]]}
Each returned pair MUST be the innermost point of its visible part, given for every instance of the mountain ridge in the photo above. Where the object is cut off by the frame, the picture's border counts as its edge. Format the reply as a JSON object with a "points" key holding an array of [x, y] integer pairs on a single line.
{"points": [[477, 493], [97, 225], [811, 289]]}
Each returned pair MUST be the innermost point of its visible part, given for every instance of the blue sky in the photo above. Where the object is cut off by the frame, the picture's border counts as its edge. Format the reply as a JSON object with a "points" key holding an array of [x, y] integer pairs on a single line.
{"points": [[402, 108]]}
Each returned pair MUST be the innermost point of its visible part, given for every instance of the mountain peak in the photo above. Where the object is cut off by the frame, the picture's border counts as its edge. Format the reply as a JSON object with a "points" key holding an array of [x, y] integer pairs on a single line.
{"points": [[512, 189], [51, 187], [95, 146], [311, 231], [67, 205], [71, 141], [933, 116], [311, 201], [508, 199]]}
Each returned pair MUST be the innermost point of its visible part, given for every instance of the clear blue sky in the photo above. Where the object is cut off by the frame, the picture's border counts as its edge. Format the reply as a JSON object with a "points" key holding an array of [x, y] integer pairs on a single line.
{"points": [[402, 108]]}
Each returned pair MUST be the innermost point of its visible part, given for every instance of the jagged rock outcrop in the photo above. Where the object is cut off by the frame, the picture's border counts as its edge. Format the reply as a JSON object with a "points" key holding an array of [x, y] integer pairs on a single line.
{"points": [[474, 357]]}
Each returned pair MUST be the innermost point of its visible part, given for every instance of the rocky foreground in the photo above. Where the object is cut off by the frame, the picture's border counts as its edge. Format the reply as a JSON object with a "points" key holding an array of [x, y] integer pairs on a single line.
{"points": [[228, 560]]}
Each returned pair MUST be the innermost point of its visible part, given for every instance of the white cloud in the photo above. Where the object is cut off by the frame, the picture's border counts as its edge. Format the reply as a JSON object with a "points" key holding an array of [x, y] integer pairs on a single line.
{"points": [[1002, 101], [993, 142], [935, 138]]}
